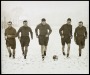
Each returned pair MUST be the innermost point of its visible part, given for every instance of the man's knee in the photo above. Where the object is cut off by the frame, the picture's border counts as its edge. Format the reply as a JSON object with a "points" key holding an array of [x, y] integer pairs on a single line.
{"points": [[42, 46], [63, 46], [13, 51], [26, 47], [46, 47], [68, 45], [8, 48]]}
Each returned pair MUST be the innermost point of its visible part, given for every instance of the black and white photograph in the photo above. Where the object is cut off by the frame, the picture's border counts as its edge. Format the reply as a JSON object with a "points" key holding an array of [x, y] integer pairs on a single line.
{"points": [[45, 37]]}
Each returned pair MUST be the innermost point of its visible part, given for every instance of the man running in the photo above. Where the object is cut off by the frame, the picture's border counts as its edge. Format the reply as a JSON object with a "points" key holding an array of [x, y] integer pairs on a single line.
{"points": [[66, 35], [24, 38], [10, 34], [44, 32], [80, 35]]}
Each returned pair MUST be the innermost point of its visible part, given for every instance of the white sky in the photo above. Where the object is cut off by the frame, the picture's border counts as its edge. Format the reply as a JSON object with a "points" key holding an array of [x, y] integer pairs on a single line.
{"points": [[55, 12]]}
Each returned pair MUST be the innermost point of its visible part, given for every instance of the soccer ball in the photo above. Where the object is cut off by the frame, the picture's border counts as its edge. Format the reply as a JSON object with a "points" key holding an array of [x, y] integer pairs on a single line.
{"points": [[55, 57]]}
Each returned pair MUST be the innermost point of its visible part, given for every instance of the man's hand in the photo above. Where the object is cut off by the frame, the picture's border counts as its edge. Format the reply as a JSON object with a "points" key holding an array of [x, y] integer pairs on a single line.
{"points": [[62, 36], [9, 36], [47, 35]]}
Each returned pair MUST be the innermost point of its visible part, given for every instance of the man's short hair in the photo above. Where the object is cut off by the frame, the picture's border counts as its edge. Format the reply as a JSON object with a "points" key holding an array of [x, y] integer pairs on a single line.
{"points": [[69, 19], [10, 22], [43, 19], [81, 22], [24, 21]]}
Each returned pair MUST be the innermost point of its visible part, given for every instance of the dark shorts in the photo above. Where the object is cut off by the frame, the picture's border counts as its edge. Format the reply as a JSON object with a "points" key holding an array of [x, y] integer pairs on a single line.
{"points": [[80, 41], [11, 42], [24, 41], [66, 40], [43, 40]]}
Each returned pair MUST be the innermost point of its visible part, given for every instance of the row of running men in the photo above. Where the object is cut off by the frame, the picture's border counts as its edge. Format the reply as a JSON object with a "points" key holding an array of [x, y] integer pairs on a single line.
{"points": [[45, 30]]}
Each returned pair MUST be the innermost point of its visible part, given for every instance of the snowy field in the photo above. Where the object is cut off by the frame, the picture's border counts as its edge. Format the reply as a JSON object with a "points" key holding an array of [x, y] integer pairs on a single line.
{"points": [[34, 64], [56, 14]]}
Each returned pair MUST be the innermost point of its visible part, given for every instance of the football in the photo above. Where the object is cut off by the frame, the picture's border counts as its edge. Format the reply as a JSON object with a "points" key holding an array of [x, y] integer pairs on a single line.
{"points": [[55, 57]]}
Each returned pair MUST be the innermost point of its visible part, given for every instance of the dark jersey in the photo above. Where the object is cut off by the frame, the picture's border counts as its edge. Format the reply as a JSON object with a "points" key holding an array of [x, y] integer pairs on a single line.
{"points": [[25, 31], [66, 30], [80, 32], [10, 31], [43, 29]]}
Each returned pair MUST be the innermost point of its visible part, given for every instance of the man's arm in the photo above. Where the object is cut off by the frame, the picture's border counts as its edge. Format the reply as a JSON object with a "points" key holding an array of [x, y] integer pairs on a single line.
{"points": [[71, 32], [85, 33], [75, 34], [61, 31], [17, 34], [50, 30], [31, 33], [5, 34]]}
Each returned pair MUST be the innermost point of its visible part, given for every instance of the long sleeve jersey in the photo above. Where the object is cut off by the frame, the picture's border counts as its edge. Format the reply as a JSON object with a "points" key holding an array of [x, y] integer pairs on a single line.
{"points": [[66, 30], [80, 31], [43, 29], [10, 31], [25, 31]]}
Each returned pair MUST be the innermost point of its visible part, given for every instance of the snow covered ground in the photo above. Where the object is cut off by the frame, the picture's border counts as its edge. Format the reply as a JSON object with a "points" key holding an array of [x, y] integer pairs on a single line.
{"points": [[34, 64]]}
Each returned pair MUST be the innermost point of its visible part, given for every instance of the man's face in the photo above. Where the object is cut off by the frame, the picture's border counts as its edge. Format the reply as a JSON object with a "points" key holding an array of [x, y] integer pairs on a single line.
{"points": [[80, 24], [43, 22], [9, 25], [25, 23], [68, 22]]}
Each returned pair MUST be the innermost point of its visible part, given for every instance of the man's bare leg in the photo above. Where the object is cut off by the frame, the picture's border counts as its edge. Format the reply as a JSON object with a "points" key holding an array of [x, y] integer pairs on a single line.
{"points": [[45, 50], [9, 51], [42, 51], [83, 46], [13, 53], [22, 50], [63, 46], [68, 50], [80, 47], [25, 53]]}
